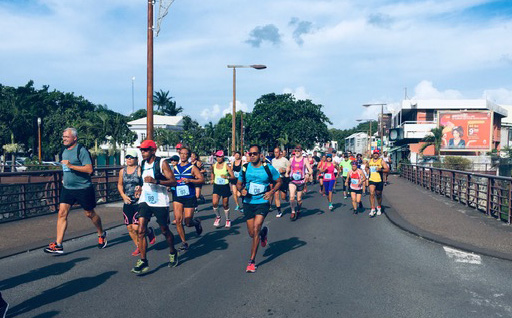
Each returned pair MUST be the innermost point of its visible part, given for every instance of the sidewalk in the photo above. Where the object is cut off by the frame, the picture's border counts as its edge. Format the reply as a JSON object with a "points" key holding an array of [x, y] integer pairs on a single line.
{"points": [[447, 222]]}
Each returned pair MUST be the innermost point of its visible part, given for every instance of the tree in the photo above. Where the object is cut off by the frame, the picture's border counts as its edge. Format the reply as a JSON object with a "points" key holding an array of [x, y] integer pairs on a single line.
{"points": [[434, 139], [165, 105], [140, 113], [276, 115]]}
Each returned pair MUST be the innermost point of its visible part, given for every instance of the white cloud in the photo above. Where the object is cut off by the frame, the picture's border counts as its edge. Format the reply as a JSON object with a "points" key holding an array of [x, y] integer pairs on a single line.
{"points": [[299, 93], [499, 96], [426, 90], [214, 113]]}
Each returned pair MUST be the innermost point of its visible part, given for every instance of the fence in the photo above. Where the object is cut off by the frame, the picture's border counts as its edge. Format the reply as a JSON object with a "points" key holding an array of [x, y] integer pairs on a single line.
{"points": [[32, 193], [490, 194]]}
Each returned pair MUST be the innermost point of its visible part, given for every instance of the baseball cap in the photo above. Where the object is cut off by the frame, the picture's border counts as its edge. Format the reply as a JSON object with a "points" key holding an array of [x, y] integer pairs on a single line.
{"points": [[132, 152], [354, 163], [376, 151], [148, 144], [219, 153], [175, 158], [329, 155]]}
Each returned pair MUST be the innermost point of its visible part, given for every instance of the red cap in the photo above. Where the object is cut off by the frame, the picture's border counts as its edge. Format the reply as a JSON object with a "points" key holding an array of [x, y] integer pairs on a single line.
{"points": [[148, 144], [178, 146], [376, 151]]}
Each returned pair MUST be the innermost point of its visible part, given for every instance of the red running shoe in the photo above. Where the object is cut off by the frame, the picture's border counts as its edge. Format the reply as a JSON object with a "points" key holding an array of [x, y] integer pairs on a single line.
{"points": [[151, 235], [251, 268]]}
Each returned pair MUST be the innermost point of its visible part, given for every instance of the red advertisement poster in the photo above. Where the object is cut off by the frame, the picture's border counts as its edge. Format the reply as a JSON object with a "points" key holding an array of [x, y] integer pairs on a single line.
{"points": [[466, 130]]}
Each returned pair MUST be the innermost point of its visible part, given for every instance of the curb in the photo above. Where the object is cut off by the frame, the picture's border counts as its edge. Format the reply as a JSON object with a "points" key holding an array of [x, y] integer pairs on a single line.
{"points": [[395, 218]]}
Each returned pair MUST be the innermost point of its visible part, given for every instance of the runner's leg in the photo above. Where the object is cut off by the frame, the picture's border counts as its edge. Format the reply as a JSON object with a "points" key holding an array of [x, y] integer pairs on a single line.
{"points": [[178, 216], [142, 244], [96, 220], [256, 224], [62, 221]]}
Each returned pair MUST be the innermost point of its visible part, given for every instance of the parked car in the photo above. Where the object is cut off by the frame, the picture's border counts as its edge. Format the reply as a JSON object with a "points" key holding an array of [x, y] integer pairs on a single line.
{"points": [[19, 165]]}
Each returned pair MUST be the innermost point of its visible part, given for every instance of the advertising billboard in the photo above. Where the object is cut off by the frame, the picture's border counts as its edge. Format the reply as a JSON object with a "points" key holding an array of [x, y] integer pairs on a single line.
{"points": [[466, 130]]}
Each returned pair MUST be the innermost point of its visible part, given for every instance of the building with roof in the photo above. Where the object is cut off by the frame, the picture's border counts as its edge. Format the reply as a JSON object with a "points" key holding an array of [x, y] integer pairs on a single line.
{"points": [[471, 127], [357, 143]]}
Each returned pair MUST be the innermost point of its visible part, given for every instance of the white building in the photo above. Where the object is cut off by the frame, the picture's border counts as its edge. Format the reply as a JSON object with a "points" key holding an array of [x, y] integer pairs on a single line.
{"points": [[357, 143], [139, 126]]}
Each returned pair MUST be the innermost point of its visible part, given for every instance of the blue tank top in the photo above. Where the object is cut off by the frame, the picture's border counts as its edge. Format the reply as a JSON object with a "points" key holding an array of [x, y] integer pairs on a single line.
{"points": [[180, 173]]}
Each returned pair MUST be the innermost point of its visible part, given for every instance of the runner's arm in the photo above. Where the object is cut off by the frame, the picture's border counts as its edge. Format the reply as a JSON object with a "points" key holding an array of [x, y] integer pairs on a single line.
{"points": [[385, 167], [87, 168], [120, 188], [199, 178], [169, 175], [230, 171], [270, 194]]}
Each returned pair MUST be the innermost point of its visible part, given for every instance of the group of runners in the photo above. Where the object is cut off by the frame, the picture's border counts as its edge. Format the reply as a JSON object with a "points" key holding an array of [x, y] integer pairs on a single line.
{"points": [[255, 183]]}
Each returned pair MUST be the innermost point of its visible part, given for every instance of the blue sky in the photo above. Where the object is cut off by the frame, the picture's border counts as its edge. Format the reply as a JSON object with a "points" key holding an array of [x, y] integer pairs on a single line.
{"points": [[338, 53]]}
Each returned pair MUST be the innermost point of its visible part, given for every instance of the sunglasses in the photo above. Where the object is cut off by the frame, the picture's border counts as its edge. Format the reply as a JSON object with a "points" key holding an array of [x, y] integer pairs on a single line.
{"points": [[145, 149], [253, 153], [129, 157]]}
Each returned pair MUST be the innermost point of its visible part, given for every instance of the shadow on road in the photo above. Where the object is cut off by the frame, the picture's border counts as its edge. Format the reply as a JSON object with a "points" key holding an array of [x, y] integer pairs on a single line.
{"points": [[111, 242], [278, 248], [43, 272], [60, 292], [309, 212], [48, 314]]}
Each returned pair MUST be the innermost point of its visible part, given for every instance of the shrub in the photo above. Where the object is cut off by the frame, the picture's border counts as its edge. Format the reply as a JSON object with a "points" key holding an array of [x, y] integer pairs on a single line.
{"points": [[457, 163]]}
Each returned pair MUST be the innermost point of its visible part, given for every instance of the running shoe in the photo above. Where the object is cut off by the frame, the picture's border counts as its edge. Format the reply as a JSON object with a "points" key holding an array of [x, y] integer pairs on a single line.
{"points": [[102, 240], [270, 209], [54, 249], [173, 222], [241, 210], [198, 226], [345, 197], [216, 223], [331, 207], [355, 211], [151, 235], [279, 214], [140, 267], [183, 248], [251, 268], [228, 224], [263, 236], [196, 210], [136, 252], [372, 213], [293, 216], [3, 309], [173, 259], [379, 210], [237, 208]]}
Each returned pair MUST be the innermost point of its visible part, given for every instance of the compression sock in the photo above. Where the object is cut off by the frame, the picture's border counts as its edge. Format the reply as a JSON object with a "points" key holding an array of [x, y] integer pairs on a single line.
{"points": [[226, 212], [293, 203], [216, 211]]}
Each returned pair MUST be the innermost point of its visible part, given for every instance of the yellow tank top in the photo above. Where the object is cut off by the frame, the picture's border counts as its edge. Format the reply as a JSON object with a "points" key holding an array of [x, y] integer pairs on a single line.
{"points": [[219, 173], [375, 175]]}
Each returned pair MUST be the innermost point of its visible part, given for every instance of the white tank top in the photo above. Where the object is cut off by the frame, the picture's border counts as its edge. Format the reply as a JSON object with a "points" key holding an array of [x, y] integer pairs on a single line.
{"points": [[153, 194]]}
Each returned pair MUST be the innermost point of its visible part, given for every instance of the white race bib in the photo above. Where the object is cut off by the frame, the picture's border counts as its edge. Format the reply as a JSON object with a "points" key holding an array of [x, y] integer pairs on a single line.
{"points": [[221, 181], [345, 170], [373, 169], [327, 176], [236, 173], [354, 181], [296, 176], [255, 189], [151, 198], [182, 190]]}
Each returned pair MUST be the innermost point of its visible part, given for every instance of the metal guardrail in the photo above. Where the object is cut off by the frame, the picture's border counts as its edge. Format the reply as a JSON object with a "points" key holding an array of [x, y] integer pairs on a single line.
{"points": [[487, 193], [32, 193]]}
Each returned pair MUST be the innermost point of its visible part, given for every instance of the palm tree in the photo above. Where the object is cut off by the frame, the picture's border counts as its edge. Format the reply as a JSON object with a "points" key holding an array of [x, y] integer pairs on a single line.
{"points": [[434, 139], [165, 104]]}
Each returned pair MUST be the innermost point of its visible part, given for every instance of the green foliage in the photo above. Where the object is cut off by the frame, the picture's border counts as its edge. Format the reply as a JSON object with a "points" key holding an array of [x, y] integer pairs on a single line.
{"points": [[435, 139], [20, 107], [457, 163], [276, 115], [165, 105]]}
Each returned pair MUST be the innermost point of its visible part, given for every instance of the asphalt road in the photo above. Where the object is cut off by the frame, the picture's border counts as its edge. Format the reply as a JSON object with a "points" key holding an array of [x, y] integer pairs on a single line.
{"points": [[326, 264]]}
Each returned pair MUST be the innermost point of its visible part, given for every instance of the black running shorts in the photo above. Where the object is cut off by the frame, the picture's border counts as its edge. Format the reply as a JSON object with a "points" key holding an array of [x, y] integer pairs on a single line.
{"points": [[160, 212], [131, 214], [187, 202], [85, 197], [379, 186], [251, 210]]}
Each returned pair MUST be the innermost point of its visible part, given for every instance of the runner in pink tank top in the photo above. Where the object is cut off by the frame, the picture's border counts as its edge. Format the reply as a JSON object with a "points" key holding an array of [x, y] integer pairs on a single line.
{"points": [[354, 182], [298, 171]]}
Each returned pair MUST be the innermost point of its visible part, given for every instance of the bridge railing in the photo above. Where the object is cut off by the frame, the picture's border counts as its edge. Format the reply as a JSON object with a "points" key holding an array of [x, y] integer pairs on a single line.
{"points": [[489, 194], [33, 193]]}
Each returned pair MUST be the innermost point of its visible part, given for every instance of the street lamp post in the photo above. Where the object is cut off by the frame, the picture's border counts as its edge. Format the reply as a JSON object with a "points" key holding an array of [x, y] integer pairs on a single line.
{"points": [[39, 138], [233, 121], [381, 132]]}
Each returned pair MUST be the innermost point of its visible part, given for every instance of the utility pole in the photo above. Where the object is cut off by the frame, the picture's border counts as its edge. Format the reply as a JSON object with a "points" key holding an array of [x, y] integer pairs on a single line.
{"points": [[149, 97]]}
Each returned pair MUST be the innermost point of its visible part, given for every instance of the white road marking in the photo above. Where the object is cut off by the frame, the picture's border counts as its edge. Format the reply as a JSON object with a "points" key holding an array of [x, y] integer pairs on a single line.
{"points": [[462, 257]]}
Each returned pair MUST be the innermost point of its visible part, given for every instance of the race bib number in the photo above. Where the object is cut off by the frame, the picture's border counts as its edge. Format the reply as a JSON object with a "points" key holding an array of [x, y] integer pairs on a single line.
{"points": [[182, 190], [296, 176], [255, 189], [151, 198], [345, 170], [236, 173], [354, 181], [221, 180], [327, 176], [373, 169]]}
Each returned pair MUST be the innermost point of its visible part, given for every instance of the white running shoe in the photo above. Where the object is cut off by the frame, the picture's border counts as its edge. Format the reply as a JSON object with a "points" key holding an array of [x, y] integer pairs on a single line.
{"points": [[216, 223], [279, 214], [379, 210], [372, 213], [228, 224]]}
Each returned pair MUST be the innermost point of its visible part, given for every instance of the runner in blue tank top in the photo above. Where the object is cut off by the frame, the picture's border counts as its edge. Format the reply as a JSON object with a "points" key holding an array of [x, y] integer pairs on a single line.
{"points": [[185, 201]]}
